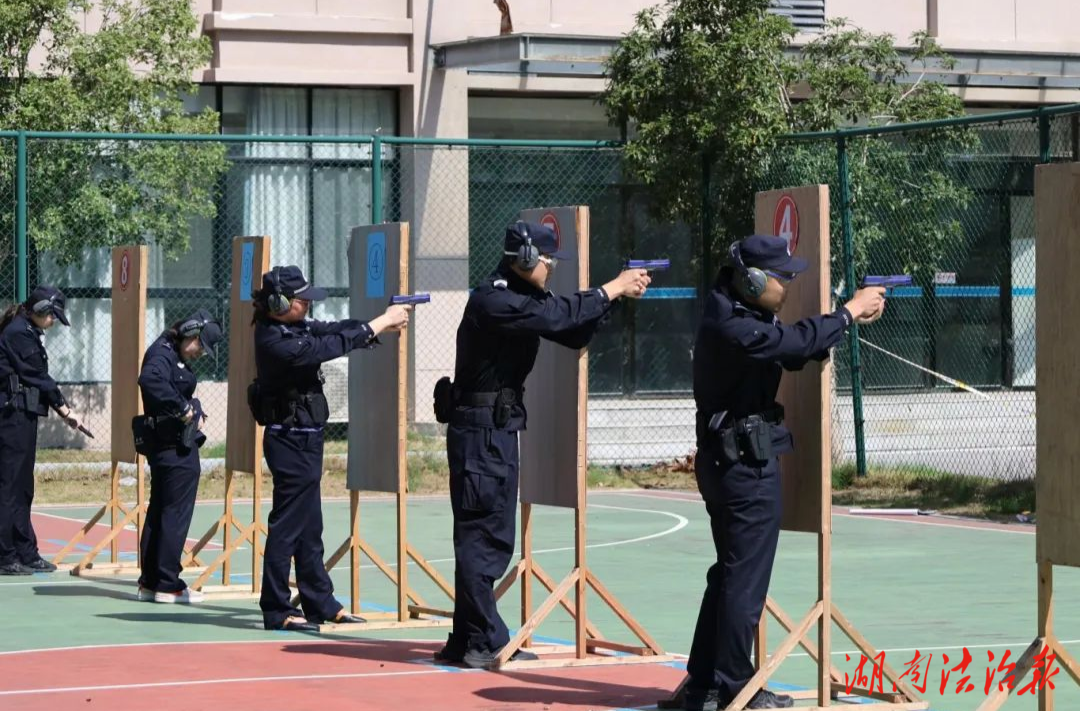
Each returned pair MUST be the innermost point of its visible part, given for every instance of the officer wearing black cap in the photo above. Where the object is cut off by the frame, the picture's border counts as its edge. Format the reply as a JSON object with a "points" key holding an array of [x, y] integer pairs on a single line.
{"points": [[27, 393], [168, 435], [497, 342], [287, 397], [739, 357]]}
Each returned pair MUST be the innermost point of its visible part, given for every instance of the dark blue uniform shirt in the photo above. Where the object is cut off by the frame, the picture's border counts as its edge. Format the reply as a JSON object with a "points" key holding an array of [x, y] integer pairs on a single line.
{"points": [[22, 352], [740, 354], [288, 355], [166, 383], [500, 333]]}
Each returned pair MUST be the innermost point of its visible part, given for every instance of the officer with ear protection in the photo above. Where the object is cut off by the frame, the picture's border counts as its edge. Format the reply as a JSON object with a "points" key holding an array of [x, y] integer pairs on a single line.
{"points": [[287, 398], [168, 435], [27, 392], [740, 354], [497, 342]]}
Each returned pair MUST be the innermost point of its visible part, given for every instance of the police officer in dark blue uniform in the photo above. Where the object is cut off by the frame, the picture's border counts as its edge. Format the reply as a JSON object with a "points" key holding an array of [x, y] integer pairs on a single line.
{"points": [[497, 342], [168, 435], [739, 357], [27, 392], [287, 397]]}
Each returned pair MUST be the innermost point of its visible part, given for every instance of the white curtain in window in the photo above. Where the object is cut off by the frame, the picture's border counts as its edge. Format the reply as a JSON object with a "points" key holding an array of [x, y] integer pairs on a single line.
{"points": [[342, 195], [276, 195]]}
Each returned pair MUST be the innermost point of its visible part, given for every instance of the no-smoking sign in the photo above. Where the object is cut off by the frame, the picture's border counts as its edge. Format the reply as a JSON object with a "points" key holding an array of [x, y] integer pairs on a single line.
{"points": [[548, 220], [786, 222]]}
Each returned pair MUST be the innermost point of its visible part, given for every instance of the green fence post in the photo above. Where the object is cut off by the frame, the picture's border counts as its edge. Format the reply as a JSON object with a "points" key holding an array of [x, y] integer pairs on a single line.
{"points": [[376, 180], [849, 277], [21, 276], [1044, 137]]}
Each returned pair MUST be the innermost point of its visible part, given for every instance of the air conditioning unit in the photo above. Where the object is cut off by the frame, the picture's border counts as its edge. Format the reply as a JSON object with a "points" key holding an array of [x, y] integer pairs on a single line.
{"points": [[336, 388]]}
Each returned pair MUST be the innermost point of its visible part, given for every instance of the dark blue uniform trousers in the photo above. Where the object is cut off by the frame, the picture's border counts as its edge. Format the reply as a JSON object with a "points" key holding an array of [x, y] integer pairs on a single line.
{"points": [[18, 445], [744, 510], [295, 457], [174, 483], [483, 496]]}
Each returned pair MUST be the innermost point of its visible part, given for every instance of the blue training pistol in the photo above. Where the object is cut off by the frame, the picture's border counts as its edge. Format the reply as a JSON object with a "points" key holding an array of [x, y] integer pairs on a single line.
{"points": [[888, 282], [649, 264], [410, 299]]}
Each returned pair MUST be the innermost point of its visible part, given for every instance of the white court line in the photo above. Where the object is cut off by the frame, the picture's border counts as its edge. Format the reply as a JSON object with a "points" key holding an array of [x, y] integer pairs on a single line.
{"points": [[682, 522], [919, 521], [132, 529], [125, 645], [235, 680]]}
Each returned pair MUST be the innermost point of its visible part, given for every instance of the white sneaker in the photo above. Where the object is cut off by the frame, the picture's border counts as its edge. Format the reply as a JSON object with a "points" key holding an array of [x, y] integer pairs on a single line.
{"points": [[187, 596], [145, 594]]}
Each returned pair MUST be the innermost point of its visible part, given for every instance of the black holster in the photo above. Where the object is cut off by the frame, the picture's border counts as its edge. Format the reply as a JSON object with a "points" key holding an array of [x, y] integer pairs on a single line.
{"points": [[747, 439], [444, 400]]}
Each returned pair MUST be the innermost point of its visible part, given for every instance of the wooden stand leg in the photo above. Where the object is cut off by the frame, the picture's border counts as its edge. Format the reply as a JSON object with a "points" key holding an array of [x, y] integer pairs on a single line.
{"points": [[354, 552], [114, 484], [1046, 624], [527, 567], [140, 495]]}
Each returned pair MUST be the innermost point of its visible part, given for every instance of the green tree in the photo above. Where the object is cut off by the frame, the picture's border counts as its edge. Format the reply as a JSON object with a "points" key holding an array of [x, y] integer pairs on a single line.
{"points": [[704, 82], [126, 73]]}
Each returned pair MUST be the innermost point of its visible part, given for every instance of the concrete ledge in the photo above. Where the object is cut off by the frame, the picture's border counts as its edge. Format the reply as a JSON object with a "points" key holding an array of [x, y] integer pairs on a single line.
{"points": [[305, 23]]}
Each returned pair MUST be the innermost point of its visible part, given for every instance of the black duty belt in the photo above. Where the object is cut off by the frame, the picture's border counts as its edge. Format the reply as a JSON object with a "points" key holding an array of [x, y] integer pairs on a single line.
{"points": [[510, 397]]}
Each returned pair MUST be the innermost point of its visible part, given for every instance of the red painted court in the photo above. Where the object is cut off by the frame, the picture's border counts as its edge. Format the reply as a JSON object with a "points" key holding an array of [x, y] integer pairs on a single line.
{"points": [[300, 675]]}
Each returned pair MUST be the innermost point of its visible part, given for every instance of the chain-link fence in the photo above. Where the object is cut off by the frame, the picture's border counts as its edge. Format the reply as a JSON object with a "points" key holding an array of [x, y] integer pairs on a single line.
{"points": [[946, 377], [950, 204], [307, 194]]}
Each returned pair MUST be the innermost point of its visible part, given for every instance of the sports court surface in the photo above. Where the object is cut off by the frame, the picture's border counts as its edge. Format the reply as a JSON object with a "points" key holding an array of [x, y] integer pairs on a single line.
{"points": [[931, 584]]}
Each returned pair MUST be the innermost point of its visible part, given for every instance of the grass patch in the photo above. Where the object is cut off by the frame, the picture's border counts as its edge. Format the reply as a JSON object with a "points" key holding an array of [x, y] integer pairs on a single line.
{"points": [[929, 489]]}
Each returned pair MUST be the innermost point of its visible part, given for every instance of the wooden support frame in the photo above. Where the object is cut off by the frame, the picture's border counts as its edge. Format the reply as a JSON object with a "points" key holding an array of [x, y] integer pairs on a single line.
{"points": [[243, 455], [130, 265], [372, 251], [553, 419], [1057, 492], [801, 215]]}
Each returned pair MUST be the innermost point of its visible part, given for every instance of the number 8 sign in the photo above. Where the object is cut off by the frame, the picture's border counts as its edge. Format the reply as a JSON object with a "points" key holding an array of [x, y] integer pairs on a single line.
{"points": [[786, 222]]}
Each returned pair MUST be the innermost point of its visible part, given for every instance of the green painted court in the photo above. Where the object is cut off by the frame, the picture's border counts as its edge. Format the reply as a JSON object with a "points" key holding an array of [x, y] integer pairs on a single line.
{"points": [[931, 584]]}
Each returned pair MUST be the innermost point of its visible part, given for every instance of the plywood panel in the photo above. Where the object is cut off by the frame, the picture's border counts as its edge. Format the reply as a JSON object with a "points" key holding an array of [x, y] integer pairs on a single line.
{"points": [[553, 467], [802, 216], [1057, 379], [378, 270], [129, 268], [251, 259]]}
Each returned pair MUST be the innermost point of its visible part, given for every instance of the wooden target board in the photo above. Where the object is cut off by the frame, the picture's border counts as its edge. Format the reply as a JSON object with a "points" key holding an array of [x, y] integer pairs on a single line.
{"points": [[553, 447], [251, 259], [378, 268], [802, 215], [1057, 262], [129, 269]]}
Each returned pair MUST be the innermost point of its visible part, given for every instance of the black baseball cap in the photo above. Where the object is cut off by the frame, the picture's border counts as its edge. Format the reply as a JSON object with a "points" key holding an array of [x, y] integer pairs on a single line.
{"points": [[292, 283], [770, 252], [210, 334], [543, 238], [45, 299]]}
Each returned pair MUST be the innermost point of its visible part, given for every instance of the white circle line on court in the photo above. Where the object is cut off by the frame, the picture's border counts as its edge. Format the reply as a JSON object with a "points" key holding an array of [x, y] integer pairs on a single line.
{"points": [[919, 521], [681, 523], [129, 527]]}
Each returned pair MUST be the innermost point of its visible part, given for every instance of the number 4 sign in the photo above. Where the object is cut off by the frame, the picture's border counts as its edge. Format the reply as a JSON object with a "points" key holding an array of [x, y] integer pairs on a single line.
{"points": [[786, 222]]}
